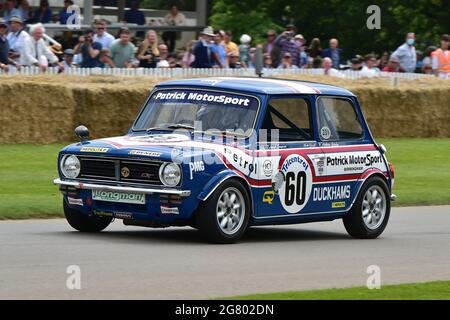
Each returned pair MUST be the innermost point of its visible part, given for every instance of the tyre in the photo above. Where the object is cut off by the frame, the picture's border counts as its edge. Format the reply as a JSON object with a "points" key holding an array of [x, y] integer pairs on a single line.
{"points": [[369, 215], [85, 223], [224, 216]]}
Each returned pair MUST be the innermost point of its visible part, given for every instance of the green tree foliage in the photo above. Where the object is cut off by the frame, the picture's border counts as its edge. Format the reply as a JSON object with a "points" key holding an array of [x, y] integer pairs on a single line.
{"points": [[344, 19]]}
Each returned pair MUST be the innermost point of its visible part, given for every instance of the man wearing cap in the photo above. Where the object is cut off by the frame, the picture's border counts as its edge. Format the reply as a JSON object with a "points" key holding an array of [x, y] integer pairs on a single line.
{"points": [[16, 39], [286, 62], [441, 58], [202, 50], [68, 59]]}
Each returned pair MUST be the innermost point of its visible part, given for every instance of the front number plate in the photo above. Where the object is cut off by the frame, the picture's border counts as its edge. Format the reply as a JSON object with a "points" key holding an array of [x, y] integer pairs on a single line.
{"points": [[122, 197]]}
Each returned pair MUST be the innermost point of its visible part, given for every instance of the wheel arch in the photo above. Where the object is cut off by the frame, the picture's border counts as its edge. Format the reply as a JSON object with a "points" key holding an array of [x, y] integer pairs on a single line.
{"points": [[364, 177]]}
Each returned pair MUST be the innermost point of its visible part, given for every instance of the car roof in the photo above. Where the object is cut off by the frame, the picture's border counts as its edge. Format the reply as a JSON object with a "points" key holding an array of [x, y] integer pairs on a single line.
{"points": [[259, 85]]}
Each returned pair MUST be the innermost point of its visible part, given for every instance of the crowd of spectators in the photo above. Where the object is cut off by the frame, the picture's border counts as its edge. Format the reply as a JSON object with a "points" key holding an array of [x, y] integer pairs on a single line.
{"points": [[97, 48]]}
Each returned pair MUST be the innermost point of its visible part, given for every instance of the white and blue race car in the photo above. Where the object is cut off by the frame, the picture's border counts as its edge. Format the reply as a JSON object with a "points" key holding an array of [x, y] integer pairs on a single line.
{"points": [[224, 154]]}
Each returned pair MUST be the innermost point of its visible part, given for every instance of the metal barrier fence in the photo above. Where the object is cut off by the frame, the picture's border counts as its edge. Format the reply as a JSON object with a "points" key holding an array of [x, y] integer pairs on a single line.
{"points": [[191, 72]]}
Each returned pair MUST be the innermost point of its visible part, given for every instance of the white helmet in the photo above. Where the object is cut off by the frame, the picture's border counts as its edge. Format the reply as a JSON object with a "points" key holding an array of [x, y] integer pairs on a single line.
{"points": [[245, 38]]}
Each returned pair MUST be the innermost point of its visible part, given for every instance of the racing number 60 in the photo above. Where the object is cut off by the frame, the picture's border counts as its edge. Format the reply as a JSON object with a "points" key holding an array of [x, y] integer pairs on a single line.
{"points": [[295, 188]]}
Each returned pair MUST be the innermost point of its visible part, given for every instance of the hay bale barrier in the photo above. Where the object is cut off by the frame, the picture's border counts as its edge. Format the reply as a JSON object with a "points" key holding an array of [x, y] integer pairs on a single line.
{"points": [[46, 109]]}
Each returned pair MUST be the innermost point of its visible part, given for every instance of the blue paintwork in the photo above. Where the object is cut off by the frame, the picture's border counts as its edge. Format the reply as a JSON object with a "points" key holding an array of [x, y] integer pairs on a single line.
{"points": [[206, 181]]}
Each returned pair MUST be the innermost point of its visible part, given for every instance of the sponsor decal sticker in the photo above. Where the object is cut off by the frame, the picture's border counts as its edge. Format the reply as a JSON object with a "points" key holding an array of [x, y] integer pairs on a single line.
{"points": [[94, 149], [328, 193], [145, 153], [113, 196], [268, 196], [103, 213], [75, 202], [268, 168], [296, 189], [212, 97], [196, 166], [325, 133], [169, 210], [340, 204]]}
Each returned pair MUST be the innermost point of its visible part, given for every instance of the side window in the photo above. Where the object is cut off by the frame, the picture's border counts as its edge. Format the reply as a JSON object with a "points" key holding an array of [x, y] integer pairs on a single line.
{"points": [[338, 120], [290, 116]]}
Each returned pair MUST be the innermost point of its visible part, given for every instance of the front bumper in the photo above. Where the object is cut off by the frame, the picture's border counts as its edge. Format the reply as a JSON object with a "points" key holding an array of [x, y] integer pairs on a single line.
{"points": [[90, 186]]}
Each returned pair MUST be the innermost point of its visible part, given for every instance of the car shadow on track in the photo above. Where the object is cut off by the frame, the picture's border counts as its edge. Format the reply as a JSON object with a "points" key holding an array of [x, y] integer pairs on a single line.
{"points": [[192, 236]]}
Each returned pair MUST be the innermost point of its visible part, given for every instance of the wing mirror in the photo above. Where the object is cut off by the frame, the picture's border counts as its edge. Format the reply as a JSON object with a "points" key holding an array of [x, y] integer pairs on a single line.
{"points": [[82, 132]]}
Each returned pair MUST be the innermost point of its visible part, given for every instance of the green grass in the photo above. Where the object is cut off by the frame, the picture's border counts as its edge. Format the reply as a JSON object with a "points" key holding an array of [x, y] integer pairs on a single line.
{"points": [[26, 188], [437, 290], [422, 170], [422, 176]]}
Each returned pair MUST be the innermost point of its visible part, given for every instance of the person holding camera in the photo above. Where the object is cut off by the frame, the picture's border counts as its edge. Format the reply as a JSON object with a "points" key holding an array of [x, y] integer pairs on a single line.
{"points": [[287, 44], [148, 53], [89, 49]]}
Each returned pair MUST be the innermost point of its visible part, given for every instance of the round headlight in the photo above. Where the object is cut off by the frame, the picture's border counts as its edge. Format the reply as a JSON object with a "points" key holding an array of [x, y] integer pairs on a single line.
{"points": [[170, 174], [70, 166]]}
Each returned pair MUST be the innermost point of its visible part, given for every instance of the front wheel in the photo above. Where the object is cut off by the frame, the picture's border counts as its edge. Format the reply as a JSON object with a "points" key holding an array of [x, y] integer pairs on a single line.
{"points": [[224, 216], [85, 223], [369, 215]]}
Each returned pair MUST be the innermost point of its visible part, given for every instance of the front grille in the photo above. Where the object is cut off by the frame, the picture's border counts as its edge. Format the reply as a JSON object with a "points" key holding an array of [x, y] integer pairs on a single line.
{"points": [[126, 170]]}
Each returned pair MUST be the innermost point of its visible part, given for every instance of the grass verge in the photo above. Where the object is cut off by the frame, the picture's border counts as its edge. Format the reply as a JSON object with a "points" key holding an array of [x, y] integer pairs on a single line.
{"points": [[436, 290]]}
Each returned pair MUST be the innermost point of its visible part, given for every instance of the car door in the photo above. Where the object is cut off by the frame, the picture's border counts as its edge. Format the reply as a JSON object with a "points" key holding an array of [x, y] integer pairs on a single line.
{"points": [[286, 134], [342, 139]]}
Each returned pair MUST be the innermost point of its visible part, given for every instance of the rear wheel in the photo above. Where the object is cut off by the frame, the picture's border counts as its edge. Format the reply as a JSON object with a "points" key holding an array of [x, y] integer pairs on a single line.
{"points": [[85, 223], [370, 213], [224, 216]]}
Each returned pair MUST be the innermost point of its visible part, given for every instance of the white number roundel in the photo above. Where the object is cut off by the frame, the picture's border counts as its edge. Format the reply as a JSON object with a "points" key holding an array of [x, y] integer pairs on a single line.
{"points": [[296, 189]]}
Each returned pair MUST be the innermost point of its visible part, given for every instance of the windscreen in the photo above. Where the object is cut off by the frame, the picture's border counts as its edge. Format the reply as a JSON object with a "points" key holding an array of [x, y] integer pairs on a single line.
{"points": [[206, 110]]}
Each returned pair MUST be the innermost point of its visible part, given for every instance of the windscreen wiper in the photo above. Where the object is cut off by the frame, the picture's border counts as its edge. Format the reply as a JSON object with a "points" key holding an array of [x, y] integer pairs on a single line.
{"points": [[181, 126]]}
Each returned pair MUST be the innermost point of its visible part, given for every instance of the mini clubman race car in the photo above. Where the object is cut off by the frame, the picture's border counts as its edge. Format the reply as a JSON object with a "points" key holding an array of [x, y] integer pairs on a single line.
{"points": [[224, 154]]}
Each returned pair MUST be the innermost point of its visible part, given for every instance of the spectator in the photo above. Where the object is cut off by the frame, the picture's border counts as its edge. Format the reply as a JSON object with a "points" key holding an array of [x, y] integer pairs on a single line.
{"points": [[188, 56], [134, 15], [384, 60], [16, 39], [218, 49], [24, 10], [174, 18], [202, 50], [427, 56], [122, 51], [303, 55], [334, 53], [64, 14], [393, 65], [369, 70], [172, 59], [287, 43], [68, 59], [230, 46], [234, 62], [148, 52], [286, 62], [271, 48], [244, 50], [314, 50], [163, 51], [10, 10], [267, 61], [327, 65], [406, 53], [441, 58], [89, 49], [4, 46], [43, 14], [356, 63], [36, 51], [102, 36]]}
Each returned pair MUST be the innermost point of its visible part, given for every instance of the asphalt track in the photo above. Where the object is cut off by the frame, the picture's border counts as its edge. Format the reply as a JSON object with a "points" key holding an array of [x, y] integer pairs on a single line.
{"points": [[139, 263]]}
